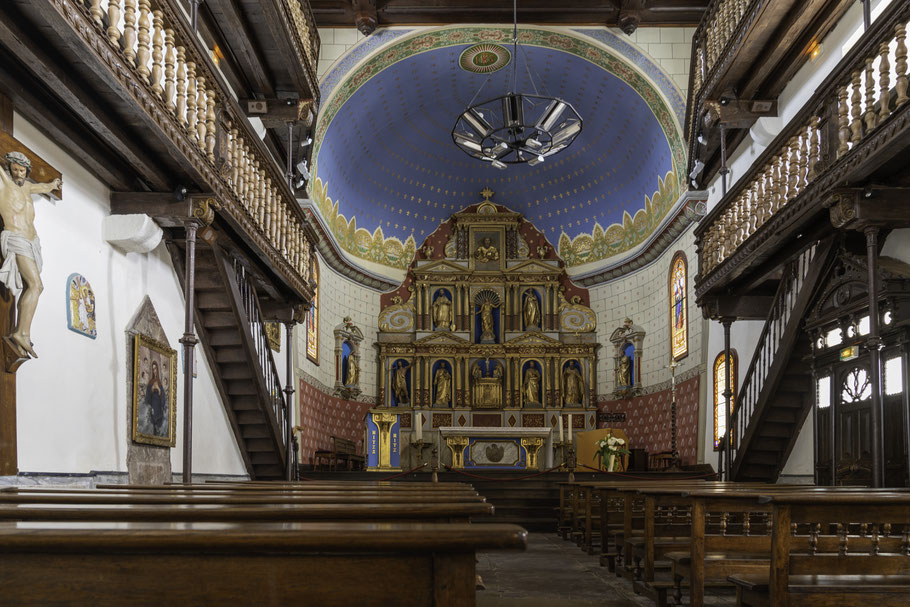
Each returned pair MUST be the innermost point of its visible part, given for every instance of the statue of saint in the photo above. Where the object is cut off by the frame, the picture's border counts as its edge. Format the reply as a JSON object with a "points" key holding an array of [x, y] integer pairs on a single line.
{"points": [[442, 313], [443, 384], [531, 311], [531, 386], [486, 320], [476, 387], [20, 246], [353, 371], [624, 372], [573, 386], [400, 382], [486, 252]]}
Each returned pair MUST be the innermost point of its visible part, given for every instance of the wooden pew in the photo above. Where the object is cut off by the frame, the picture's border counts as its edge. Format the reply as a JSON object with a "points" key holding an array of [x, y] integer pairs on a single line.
{"points": [[851, 548], [327, 564]]}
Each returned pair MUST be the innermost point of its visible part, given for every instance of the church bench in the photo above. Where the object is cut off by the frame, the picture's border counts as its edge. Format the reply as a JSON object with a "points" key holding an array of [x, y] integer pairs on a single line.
{"points": [[88, 496], [322, 485], [330, 564], [343, 450], [131, 512], [845, 548]]}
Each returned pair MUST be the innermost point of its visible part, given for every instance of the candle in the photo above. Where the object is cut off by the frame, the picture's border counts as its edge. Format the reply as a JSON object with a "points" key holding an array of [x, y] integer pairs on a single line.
{"points": [[561, 437], [418, 419], [570, 427]]}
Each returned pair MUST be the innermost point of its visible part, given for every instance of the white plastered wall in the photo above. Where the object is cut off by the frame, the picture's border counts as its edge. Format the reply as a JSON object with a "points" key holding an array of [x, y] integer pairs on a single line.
{"points": [[72, 401]]}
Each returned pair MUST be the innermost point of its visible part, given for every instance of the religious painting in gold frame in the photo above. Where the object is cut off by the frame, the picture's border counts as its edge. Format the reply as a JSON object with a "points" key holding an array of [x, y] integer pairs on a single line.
{"points": [[154, 392], [679, 312]]}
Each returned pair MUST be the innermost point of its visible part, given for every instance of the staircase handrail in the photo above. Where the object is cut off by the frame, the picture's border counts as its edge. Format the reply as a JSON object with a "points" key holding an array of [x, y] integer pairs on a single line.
{"points": [[266, 361], [792, 293]]}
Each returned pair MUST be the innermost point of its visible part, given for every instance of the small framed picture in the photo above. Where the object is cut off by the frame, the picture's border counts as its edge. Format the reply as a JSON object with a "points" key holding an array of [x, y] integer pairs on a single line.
{"points": [[154, 392]]}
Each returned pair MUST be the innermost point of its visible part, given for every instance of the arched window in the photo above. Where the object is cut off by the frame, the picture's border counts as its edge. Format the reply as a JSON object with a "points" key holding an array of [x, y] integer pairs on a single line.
{"points": [[312, 320], [720, 401], [679, 316]]}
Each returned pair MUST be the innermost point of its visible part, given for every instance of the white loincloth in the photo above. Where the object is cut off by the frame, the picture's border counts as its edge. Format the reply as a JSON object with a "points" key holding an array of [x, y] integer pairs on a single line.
{"points": [[11, 245]]}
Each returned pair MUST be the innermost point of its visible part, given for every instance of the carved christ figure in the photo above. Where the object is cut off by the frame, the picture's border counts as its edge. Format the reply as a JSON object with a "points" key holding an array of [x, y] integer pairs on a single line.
{"points": [[442, 313], [486, 251], [20, 246], [531, 311], [443, 383], [573, 386], [531, 386], [400, 383]]}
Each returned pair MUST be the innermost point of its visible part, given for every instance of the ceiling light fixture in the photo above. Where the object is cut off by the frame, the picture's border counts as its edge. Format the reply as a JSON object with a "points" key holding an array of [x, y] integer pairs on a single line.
{"points": [[516, 128]]}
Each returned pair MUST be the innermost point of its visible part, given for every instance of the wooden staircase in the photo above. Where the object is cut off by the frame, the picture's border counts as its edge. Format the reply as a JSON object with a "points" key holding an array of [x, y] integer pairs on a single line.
{"points": [[777, 392], [229, 327]]}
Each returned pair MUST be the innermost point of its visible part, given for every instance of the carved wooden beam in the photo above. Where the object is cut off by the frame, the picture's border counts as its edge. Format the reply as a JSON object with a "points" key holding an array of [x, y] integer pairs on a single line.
{"points": [[859, 208], [365, 16], [749, 307], [277, 113]]}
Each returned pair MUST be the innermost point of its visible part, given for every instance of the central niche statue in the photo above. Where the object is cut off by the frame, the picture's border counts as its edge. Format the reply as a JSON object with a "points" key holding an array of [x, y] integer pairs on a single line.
{"points": [[531, 310], [443, 383], [442, 313], [486, 251], [531, 386], [486, 302], [573, 385]]}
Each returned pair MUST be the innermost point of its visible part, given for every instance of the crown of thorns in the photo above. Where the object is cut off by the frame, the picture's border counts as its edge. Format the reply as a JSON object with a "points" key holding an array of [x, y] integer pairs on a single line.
{"points": [[19, 158]]}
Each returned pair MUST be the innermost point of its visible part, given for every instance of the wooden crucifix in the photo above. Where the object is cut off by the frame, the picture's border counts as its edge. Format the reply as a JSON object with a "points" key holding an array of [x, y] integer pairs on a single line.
{"points": [[23, 173]]}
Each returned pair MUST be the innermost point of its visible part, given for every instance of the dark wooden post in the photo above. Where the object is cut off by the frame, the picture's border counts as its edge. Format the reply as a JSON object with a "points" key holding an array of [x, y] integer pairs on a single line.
{"points": [[905, 372], [874, 345], [9, 460], [289, 403], [189, 342], [728, 402]]}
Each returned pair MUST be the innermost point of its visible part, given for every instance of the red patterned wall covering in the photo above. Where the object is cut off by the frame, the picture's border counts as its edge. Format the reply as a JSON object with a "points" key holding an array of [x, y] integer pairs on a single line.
{"points": [[648, 420], [323, 416]]}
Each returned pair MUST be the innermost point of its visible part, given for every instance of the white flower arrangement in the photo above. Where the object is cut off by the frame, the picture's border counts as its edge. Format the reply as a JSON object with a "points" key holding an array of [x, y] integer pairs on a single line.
{"points": [[610, 450]]}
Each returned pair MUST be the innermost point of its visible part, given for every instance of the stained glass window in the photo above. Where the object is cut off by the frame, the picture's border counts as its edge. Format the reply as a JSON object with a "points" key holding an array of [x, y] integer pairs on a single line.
{"points": [[679, 330], [720, 401], [312, 321]]}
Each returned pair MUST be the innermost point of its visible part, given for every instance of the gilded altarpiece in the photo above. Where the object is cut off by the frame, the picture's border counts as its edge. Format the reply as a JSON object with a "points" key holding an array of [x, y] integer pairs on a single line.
{"points": [[487, 328]]}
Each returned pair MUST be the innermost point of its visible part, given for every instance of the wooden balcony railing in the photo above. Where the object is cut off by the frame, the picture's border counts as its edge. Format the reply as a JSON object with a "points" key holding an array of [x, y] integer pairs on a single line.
{"points": [[301, 15], [815, 150], [154, 41]]}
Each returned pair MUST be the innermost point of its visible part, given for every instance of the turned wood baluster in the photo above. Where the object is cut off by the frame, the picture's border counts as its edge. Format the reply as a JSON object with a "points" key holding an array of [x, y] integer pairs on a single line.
{"points": [[875, 540], [129, 32], [263, 190], [803, 161], [900, 57], [755, 205], [181, 85], [246, 188], [240, 181], [96, 12], [884, 81], [229, 151], [870, 117], [113, 23], [235, 158], [157, 53], [747, 523], [905, 541], [856, 125], [191, 92], [792, 169], [263, 209], [814, 148], [210, 124], [766, 200], [170, 84], [843, 121], [200, 112], [814, 530], [777, 191], [142, 56]]}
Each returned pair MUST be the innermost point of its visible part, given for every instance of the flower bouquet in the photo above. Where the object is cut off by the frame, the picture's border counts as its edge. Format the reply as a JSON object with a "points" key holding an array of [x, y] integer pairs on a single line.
{"points": [[610, 451]]}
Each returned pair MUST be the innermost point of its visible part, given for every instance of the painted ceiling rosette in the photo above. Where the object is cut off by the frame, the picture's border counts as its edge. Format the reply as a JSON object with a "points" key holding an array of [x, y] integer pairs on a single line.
{"points": [[387, 173]]}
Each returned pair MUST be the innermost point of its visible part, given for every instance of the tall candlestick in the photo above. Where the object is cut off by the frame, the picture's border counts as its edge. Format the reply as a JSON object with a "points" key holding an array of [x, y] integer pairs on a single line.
{"points": [[570, 427], [561, 436], [418, 420]]}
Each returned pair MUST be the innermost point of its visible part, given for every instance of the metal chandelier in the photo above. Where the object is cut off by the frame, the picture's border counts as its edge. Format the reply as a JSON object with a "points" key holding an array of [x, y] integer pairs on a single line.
{"points": [[516, 128]]}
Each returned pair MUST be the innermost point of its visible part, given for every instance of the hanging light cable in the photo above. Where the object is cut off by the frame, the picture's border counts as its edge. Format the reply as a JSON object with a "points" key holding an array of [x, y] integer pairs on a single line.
{"points": [[516, 128]]}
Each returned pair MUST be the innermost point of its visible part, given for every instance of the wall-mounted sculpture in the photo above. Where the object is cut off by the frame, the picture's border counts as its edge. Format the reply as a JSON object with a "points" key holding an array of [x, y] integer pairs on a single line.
{"points": [[20, 246], [628, 341], [347, 359], [80, 306]]}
